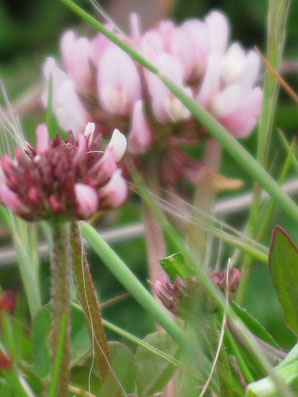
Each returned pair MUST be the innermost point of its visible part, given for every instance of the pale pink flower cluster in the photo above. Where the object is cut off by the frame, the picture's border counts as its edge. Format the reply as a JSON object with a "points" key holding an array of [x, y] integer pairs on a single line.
{"points": [[103, 84]]}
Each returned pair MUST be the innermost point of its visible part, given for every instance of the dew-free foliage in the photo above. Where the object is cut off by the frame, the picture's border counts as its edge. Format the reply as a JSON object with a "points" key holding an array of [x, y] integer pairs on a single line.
{"points": [[283, 265], [152, 372]]}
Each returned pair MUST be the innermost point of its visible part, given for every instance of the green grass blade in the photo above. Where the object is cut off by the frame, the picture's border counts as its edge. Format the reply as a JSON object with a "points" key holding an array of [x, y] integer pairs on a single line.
{"points": [[25, 252], [288, 148], [128, 279], [276, 30], [269, 208]]}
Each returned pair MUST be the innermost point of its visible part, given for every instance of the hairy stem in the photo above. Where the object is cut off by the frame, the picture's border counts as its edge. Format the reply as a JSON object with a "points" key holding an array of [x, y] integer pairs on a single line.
{"points": [[89, 302], [60, 275]]}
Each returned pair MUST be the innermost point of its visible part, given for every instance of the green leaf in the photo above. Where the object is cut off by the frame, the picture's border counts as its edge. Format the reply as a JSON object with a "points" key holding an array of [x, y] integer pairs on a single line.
{"points": [[175, 265], [80, 344], [152, 372], [123, 370], [41, 332], [283, 265], [123, 363], [254, 325], [82, 378]]}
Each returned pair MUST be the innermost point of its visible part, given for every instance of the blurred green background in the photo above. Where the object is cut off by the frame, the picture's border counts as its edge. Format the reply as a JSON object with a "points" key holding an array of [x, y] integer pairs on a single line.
{"points": [[30, 30]]}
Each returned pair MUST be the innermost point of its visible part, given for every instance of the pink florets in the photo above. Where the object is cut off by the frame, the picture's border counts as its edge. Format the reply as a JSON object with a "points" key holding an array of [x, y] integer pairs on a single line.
{"points": [[105, 85], [69, 178]]}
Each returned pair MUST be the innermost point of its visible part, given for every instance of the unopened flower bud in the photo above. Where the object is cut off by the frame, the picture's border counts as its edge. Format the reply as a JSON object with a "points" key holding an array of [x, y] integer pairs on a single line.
{"points": [[169, 293], [221, 281]]}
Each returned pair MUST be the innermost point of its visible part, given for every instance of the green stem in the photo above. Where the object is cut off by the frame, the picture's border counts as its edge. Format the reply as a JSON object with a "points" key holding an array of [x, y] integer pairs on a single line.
{"points": [[287, 147], [276, 27], [271, 204], [276, 30], [60, 276], [263, 227], [88, 300]]}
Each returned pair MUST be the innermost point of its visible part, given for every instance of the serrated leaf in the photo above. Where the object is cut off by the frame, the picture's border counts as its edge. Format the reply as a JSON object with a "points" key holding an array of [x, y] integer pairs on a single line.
{"points": [[254, 325], [152, 372], [175, 265], [283, 265]]}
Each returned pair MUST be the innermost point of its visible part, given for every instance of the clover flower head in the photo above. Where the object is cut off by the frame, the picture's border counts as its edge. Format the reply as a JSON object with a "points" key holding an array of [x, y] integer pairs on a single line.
{"points": [[70, 178]]}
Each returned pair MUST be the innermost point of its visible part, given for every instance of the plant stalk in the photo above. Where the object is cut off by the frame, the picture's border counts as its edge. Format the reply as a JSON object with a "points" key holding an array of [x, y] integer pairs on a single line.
{"points": [[89, 302], [60, 277]]}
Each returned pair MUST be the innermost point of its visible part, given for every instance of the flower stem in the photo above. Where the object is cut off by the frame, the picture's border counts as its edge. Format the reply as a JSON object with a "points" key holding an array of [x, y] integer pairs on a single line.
{"points": [[61, 301], [89, 302]]}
